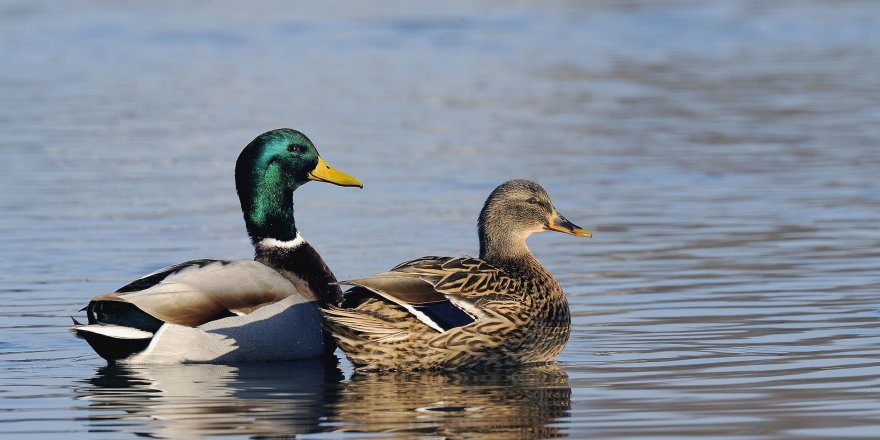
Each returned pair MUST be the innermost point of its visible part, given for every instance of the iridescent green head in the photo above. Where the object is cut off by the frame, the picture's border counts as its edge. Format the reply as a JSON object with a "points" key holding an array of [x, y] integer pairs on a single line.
{"points": [[267, 172]]}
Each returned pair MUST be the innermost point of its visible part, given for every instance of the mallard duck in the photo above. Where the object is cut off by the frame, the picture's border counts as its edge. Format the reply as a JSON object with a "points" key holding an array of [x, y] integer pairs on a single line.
{"points": [[229, 311], [501, 309]]}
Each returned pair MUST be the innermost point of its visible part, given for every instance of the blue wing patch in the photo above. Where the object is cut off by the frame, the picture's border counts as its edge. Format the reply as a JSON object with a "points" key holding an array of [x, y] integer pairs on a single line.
{"points": [[444, 314]]}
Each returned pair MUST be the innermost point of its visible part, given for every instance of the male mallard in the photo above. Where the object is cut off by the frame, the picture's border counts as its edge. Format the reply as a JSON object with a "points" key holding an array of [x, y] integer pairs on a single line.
{"points": [[227, 311], [503, 308]]}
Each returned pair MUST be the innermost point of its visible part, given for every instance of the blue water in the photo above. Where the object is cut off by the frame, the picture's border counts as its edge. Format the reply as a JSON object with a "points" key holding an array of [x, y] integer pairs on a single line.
{"points": [[724, 153]]}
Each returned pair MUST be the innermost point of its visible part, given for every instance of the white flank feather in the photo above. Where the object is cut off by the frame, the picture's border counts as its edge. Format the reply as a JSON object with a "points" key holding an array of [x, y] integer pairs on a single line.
{"points": [[287, 330]]}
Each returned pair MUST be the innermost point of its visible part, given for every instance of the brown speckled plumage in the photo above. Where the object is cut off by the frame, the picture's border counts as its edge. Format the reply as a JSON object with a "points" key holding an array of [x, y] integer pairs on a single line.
{"points": [[519, 313]]}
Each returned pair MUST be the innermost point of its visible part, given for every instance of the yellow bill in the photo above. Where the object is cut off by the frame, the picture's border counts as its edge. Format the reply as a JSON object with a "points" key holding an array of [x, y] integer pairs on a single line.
{"points": [[326, 173]]}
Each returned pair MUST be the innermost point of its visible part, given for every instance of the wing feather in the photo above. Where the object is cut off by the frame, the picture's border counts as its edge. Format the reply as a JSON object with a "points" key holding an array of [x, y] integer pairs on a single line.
{"points": [[442, 292], [196, 292]]}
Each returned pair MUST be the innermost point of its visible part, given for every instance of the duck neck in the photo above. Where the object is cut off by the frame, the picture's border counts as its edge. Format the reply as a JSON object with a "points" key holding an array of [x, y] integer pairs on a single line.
{"points": [[506, 249], [268, 210]]}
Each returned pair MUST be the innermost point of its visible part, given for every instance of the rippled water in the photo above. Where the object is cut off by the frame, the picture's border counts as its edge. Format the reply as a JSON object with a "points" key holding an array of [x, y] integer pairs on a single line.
{"points": [[724, 153]]}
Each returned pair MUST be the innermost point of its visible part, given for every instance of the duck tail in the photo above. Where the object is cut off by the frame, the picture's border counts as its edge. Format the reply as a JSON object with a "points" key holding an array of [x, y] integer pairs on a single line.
{"points": [[113, 342]]}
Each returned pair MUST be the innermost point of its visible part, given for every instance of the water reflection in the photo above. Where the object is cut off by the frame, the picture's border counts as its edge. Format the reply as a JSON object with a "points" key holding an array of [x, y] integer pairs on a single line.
{"points": [[194, 401], [521, 404]]}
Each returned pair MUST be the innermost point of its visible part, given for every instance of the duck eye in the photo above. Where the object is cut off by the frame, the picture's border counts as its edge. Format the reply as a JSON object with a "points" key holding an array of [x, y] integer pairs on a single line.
{"points": [[296, 148], [532, 200]]}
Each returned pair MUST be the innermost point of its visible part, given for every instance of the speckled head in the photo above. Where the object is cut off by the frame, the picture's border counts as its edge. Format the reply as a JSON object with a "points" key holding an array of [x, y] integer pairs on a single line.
{"points": [[515, 210], [267, 172]]}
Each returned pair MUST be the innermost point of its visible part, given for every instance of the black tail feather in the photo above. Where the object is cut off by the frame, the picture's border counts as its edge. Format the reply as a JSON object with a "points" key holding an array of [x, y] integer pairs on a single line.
{"points": [[122, 313]]}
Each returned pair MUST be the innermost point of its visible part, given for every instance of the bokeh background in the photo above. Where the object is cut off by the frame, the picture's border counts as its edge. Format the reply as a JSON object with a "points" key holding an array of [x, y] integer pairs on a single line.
{"points": [[724, 153]]}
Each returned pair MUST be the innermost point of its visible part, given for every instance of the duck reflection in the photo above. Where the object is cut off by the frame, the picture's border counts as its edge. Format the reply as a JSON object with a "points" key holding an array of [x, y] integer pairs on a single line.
{"points": [[519, 404], [287, 399], [195, 401]]}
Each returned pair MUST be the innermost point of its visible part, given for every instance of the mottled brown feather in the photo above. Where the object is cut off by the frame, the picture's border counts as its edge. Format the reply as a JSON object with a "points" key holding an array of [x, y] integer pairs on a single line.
{"points": [[524, 318]]}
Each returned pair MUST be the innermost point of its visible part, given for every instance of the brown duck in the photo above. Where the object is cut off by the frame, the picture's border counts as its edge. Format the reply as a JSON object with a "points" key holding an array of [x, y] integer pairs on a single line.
{"points": [[501, 309]]}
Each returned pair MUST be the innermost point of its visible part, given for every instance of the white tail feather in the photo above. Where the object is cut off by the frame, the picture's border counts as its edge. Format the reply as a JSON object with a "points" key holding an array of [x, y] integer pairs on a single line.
{"points": [[114, 331]]}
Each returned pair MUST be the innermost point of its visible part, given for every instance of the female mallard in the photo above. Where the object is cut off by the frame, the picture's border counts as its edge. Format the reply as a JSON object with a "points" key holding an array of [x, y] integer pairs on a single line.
{"points": [[503, 308], [228, 311]]}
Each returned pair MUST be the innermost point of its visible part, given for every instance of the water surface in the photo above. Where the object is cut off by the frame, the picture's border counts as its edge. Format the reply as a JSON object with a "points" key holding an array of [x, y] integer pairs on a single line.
{"points": [[724, 153]]}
